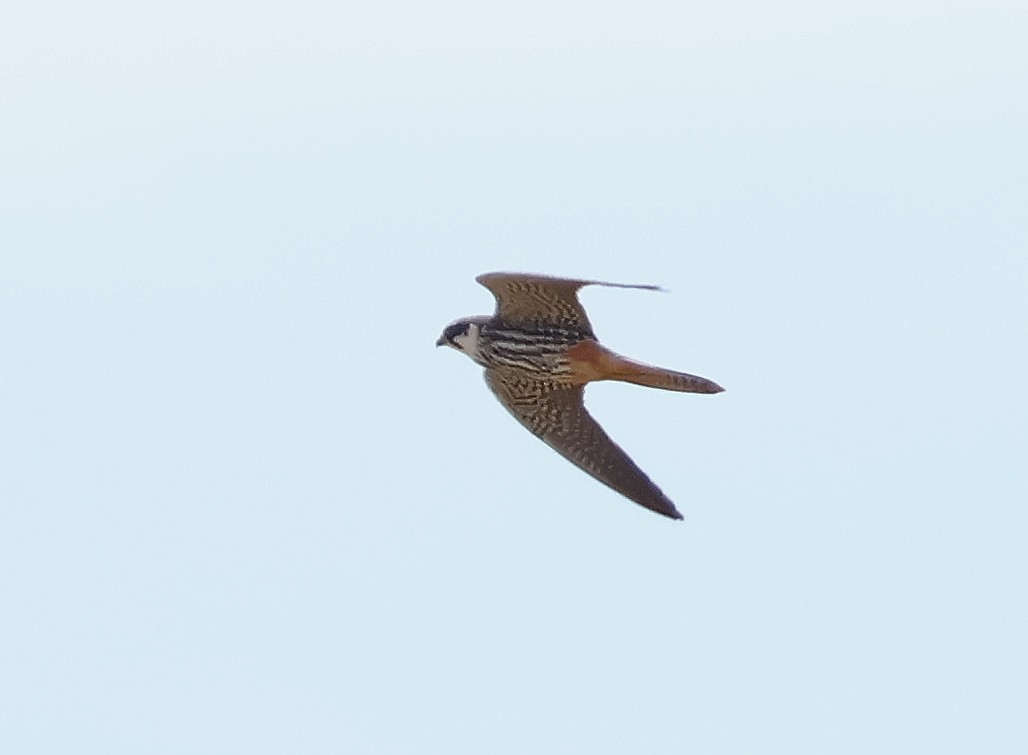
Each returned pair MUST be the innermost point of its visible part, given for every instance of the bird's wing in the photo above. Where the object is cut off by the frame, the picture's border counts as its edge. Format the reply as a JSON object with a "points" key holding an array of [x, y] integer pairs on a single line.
{"points": [[557, 415], [533, 301]]}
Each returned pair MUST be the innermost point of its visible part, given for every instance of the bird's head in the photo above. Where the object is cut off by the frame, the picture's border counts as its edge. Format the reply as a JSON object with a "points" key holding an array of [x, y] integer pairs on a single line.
{"points": [[462, 335]]}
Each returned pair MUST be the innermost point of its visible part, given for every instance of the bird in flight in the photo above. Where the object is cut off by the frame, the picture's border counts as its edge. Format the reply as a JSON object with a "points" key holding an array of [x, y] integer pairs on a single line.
{"points": [[539, 352]]}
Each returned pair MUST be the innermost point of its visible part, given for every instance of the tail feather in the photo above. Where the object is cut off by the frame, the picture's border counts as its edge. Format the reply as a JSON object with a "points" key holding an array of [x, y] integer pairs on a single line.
{"points": [[657, 377], [591, 361]]}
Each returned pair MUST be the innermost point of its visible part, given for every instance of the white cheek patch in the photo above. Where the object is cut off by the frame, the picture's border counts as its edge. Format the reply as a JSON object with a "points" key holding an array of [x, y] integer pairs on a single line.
{"points": [[469, 342]]}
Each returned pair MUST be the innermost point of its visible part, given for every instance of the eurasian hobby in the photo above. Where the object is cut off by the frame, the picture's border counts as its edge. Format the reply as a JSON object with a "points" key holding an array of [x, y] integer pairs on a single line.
{"points": [[539, 351]]}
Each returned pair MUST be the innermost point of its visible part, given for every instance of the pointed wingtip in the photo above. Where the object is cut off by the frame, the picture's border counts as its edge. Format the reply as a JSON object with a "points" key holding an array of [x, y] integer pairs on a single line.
{"points": [[642, 286], [707, 386], [668, 509]]}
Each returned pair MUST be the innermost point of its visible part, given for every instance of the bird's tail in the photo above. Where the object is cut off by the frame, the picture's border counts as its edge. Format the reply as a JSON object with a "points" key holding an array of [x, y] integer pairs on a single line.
{"points": [[630, 371], [596, 362]]}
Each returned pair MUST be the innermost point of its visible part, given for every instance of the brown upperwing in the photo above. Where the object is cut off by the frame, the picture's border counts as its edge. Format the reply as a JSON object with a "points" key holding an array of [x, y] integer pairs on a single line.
{"points": [[556, 414], [540, 300]]}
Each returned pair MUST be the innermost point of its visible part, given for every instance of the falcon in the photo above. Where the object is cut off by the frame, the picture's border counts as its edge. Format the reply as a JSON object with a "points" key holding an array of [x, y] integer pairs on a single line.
{"points": [[539, 351]]}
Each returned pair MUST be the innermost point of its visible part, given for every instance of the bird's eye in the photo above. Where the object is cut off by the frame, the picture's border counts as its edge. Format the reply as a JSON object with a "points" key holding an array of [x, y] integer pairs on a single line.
{"points": [[457, 329]]}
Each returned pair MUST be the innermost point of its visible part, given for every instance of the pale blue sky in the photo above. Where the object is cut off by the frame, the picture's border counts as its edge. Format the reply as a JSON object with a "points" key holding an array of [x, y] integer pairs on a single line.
{"points": [[246, 505]]}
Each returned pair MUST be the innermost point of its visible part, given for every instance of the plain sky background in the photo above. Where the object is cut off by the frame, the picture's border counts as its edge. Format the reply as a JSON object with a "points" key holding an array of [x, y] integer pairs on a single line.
{"points": [[247, 507]]}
